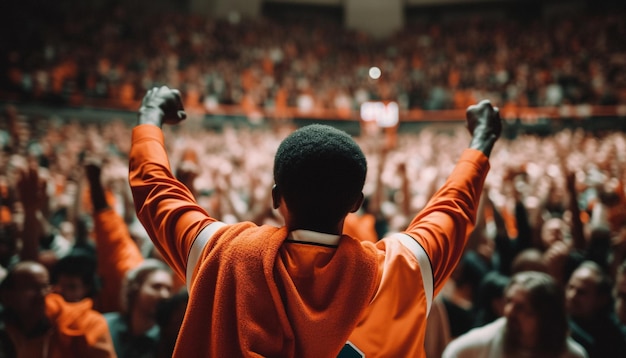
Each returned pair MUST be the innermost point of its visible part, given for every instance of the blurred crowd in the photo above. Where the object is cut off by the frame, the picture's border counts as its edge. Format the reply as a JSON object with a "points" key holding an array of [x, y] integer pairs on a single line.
{"points": [[550, 203], [262, 65]]}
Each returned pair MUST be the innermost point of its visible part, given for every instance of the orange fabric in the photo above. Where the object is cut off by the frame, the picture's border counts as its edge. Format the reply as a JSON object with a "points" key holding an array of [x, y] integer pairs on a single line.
{"points": [[454, 78], [290, 299], [248, 105], [442, 229], [5, 215], [85, 201], [255, 294], [117, 253], [78, 331], [248, 79], [361, 226], [190, 155], [462, 98], [268, 66], [280, 103], [127, 93]]}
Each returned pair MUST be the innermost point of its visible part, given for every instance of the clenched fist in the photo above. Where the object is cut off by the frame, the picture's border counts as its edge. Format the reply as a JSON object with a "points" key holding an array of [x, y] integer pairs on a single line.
{"points": [[161, 105], [484, 124]]}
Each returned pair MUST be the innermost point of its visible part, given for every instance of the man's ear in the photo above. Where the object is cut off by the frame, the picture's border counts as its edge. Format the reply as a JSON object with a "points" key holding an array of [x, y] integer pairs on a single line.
{"points": [[276, 197], [357, 203]]}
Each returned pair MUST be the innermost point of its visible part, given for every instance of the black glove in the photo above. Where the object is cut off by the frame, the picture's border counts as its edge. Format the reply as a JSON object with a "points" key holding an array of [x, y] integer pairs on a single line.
{"points": [[161, 105], [484, 124]]}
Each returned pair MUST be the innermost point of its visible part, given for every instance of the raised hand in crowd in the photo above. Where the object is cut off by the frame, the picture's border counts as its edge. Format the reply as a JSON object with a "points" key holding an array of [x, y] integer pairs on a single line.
{"points": [[34, 199]]}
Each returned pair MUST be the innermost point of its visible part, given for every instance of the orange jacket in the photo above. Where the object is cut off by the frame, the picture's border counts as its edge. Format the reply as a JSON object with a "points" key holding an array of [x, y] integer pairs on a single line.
{"points": [[255, 291], [117, 253], [77, 331]]}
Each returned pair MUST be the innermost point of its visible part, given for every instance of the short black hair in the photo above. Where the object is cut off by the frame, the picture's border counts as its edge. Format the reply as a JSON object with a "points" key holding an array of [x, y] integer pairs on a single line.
{"points": [[83, 266], [320, 171]]}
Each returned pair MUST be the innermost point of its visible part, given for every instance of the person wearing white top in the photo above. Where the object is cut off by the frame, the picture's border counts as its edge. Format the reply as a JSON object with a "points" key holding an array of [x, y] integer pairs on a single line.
{"points": [[534, 324]]}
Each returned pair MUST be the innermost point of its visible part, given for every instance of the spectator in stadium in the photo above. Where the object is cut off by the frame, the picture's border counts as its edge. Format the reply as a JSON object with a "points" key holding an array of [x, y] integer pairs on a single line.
{"points": [[529, 260], [268, 64], [32, 193], [534, 324], [116, 252], [42, 324], [559, 253], [41, 240], [265, 273], [134, 330], [459, 299], [133, 286], [489, 302], [591, 310], [74, 277]]}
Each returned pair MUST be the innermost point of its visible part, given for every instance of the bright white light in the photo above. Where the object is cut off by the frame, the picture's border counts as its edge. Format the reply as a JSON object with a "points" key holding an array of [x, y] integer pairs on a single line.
{"points": [[385, 115], [374, 73]]}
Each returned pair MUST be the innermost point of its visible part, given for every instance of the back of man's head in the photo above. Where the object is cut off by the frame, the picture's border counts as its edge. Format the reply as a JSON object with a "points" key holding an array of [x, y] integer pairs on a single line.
{"points": [[320, 172]]}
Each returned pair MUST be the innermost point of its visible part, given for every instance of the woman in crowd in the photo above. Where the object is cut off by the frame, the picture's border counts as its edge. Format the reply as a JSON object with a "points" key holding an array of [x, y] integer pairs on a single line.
{"points": [[534, 324]]}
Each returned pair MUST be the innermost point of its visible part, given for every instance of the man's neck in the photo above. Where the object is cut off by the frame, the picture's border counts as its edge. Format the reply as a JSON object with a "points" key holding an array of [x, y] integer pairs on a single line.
{"points": [[314, 237], [333, 229]]}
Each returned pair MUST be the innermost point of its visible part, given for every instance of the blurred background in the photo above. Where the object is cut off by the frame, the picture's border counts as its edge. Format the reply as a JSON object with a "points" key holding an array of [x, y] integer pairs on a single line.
{"points": [[263, 60]]}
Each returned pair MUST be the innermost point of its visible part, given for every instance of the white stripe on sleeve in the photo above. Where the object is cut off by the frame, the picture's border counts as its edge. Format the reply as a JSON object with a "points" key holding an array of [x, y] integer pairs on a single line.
{"points": [[425, 269], [198, 246]]}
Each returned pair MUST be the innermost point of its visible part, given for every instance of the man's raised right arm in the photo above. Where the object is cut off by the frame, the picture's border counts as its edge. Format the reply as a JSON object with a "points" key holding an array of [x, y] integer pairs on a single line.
{"points": [[443, 226]]}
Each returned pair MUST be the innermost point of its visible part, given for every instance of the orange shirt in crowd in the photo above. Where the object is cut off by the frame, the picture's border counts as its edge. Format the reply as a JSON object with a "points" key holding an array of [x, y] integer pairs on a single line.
{"points": [[117, 254], [77, 331]]}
